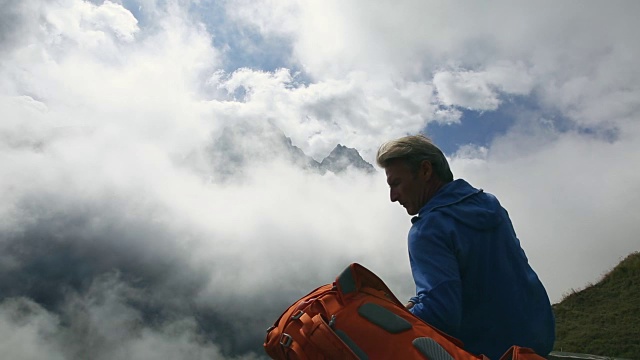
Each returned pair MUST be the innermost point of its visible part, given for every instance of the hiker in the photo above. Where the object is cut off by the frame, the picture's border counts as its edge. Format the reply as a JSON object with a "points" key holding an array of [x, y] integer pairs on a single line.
{"points": [[473, 280]]}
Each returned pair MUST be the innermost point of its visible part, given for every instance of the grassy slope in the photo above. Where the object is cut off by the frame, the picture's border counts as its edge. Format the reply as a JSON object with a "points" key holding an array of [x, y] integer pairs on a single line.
{"points": [[603, 319]]}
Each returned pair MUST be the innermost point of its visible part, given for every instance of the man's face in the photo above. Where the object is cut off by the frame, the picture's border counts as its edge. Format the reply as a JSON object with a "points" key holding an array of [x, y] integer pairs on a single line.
{"points": [[406, 187]]}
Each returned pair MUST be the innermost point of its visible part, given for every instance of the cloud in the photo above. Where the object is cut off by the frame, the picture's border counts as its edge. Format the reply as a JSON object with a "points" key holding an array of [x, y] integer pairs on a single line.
{"points": [[317, 116], [567, 74], [482, 90], [100, 324], [520, 48], [118, 238], [465, 89], [28, 324], [89, 25], [113, 236]]}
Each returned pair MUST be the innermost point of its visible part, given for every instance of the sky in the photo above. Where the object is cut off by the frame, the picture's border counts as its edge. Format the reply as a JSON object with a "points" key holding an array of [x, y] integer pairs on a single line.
{"points": [[119, 239]]}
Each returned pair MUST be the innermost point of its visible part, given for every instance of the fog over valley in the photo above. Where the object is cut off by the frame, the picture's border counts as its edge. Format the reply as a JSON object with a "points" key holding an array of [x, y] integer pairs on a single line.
{"points": [[174, 174]]}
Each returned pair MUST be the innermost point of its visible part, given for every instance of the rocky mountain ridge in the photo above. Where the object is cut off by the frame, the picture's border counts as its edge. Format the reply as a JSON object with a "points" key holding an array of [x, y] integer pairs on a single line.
{"points": [[238, 146]]}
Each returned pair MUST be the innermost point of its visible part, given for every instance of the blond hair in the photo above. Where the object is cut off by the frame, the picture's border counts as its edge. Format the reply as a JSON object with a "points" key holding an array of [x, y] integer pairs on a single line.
{"points": [[413, 150]]}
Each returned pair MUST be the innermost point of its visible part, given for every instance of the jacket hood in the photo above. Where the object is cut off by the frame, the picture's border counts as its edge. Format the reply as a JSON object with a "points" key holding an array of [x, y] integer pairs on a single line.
{"points": [[468, 205]]}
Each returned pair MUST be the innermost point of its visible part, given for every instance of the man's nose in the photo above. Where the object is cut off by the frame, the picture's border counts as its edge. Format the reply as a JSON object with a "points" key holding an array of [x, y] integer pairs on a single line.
{"points": [[393, 195]]}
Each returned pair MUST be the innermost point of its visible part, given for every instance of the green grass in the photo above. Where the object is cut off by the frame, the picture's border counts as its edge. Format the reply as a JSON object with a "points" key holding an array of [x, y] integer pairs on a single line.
{"points": [[603, 319]]}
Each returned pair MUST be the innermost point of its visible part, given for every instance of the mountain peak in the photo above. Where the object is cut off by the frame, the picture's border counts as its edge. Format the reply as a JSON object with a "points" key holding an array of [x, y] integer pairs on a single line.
{"points": [[342, 157], [239, 144]]}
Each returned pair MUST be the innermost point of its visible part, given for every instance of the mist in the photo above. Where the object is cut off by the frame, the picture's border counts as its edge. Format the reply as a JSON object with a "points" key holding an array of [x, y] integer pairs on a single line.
{"points": [[149, 207]]}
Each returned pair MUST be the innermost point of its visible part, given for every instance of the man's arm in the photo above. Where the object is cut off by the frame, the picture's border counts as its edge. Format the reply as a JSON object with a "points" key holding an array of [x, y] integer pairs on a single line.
{"points": [[435, 270]]}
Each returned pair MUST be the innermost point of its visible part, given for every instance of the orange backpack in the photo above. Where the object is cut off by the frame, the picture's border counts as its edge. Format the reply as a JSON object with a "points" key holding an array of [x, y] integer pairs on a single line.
{"points": [[358, 317]]}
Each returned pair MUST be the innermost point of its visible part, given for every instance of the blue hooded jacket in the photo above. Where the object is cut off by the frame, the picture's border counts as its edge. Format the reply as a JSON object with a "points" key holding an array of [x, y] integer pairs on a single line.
{"points": [[473, 280]]}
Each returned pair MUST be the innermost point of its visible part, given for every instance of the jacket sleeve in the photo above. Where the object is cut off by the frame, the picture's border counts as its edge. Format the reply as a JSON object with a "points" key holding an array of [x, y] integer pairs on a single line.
{"points": [[435, 269]]}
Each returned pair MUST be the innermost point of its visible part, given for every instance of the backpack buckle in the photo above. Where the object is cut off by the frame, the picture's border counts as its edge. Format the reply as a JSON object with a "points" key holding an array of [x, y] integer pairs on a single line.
{"points": [[286, 340], [271, 328], [297, 315]]}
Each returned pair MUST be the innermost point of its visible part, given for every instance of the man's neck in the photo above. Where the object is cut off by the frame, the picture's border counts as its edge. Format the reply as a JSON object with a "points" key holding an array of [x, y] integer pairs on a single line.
{"points": [[433, 187]]}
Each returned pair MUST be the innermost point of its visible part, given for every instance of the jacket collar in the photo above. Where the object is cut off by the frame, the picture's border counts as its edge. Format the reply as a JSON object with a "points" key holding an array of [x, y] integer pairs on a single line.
{"points": [[451, 193]]}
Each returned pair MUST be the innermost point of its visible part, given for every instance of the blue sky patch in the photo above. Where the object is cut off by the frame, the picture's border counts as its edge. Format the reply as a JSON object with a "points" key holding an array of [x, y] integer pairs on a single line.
{"points": [[481, 128], [243, 47], [477, 128]]}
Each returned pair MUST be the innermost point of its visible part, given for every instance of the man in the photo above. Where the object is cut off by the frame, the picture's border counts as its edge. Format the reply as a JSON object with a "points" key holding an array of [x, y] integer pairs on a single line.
{"points": [[473, 280]]}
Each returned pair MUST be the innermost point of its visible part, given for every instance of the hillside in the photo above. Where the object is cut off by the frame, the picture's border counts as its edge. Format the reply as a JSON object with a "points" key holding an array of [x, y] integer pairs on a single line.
{"points": [[603, 319]]}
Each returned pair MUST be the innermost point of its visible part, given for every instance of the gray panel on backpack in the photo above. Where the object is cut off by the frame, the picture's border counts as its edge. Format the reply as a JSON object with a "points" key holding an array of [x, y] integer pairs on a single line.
{"points": [[346, 281], [431, 349], [383, 318]]}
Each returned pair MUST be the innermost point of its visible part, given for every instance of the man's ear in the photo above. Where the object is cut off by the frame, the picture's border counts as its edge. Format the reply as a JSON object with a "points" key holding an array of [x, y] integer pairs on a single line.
{"points": [[426, 170]]}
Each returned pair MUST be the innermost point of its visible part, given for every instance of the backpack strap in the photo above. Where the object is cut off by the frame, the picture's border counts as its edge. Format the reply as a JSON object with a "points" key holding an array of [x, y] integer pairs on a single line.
{"points": [[358, 278], [330, 343], [520, 353], [280, 341]]}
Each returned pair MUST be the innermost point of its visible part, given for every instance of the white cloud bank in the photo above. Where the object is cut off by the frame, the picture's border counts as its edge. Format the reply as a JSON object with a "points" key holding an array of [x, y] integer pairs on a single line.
{"points": [[112, 233], [570, 191]]}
